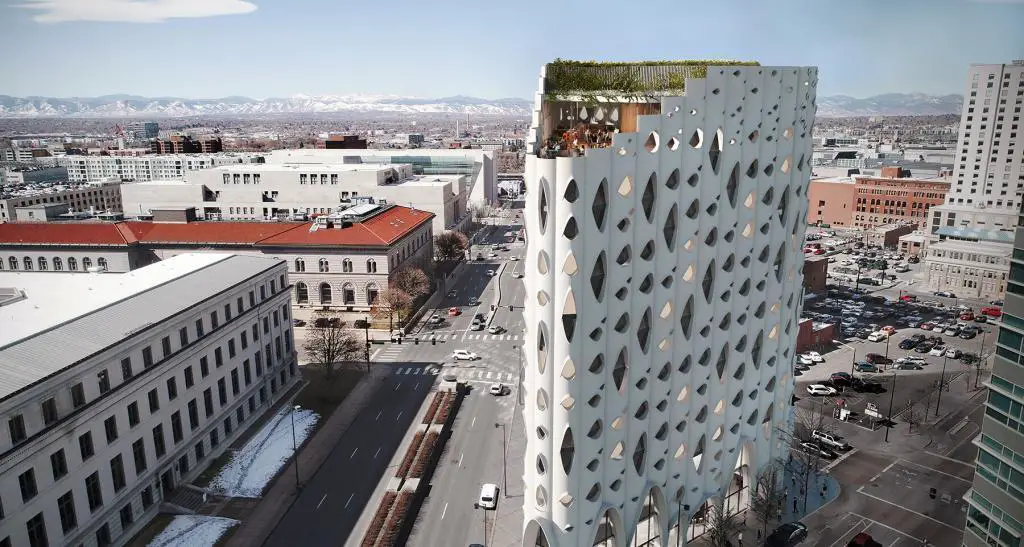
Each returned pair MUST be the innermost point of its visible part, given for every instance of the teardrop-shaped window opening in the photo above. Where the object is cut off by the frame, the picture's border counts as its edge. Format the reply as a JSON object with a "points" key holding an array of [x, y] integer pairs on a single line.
{"points": [[595, 334], [662, 432], [597, 365], [723, 360], [619, 371], [686, 319], [652, 143], [769, 196], [669, 229], [708, 283], [640, 454], [624, 256], [623, 225], [786, 165], [623, 323], [733, 184], [647, 252], [715, 151], [647, 198], [769, 169], [693, 180], [572, 191], [622, 293], [599, 207], [542, 205], [672, 182], [665, 371], [694, 209], [567, 451], [697, 139], [597, 277], [626, 186], [752, 169], [643, 331], [569, 316], [647, 284], [712, 238], [571, 230]]}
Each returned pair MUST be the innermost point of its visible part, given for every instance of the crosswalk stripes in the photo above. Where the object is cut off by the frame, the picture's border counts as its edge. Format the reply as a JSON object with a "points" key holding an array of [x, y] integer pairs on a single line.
{"points": [[470, 375], [388, 354], [471, 336]]}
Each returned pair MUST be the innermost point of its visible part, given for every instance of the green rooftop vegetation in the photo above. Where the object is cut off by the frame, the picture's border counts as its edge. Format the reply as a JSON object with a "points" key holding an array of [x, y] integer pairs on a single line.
{"points": [[643, 79]]}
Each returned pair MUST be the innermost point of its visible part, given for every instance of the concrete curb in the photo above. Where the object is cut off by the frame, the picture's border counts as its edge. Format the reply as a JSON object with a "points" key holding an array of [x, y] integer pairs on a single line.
{"points": [[497, 292]]}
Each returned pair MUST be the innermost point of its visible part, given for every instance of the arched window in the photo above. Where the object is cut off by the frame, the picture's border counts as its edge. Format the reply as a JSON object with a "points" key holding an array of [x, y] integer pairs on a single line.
{"points": [[348, 294], [28, 263], [300, 265], [73, 264], [86, 263], [325, 293], [301, 293], [102, 263], [324, 266], [43, 266], [346, 266], [371, 266], [58, 264], [13, 262], [371, 294]]}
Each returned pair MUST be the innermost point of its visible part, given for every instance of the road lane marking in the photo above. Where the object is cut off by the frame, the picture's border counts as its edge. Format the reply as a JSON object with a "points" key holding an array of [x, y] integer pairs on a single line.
{"points": [[321, 503], [471, 424], [954, 460], [890, 466], [416, 386], [940, 472], [354, 453], [399, 415], [460, 458], [350, 496], [378, 415], [398, 385], [922, 515], [443, 511], [374, 356]]}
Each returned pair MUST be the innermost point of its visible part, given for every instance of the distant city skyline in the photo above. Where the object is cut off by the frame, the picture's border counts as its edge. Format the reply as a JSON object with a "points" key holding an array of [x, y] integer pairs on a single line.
{"points": [[204, 49]]}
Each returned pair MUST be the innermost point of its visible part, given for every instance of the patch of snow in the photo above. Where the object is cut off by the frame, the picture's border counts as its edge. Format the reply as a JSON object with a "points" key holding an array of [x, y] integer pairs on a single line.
{"points": [[252, 467], [193, 531]]}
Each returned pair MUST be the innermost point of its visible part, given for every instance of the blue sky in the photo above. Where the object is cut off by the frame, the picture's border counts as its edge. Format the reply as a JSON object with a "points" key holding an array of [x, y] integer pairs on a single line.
{"points": [[433, 48]]}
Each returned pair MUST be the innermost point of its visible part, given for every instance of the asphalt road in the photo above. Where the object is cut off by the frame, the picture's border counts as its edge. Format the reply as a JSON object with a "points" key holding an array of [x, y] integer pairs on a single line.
{"points": [[332, 501]]}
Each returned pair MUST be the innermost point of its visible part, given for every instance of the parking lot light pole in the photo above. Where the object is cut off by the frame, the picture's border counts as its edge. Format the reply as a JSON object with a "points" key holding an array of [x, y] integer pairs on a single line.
{"points": [[887, 338], [853, 360], [295, 448], [892, 396], [504, 464], [942, 381]]}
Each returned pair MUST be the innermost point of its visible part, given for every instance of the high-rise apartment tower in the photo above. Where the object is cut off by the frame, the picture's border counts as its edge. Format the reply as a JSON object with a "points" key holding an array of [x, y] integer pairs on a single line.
{"points": [[665, 213]]}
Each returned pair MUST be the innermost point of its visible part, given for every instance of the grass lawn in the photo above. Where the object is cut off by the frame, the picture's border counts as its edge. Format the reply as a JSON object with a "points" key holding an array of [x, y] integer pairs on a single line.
{"points": [[323, 395], [151, 530]]}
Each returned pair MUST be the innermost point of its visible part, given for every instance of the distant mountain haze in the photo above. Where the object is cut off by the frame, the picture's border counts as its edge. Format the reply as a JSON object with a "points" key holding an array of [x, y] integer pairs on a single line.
{"points": [[131, 106]]}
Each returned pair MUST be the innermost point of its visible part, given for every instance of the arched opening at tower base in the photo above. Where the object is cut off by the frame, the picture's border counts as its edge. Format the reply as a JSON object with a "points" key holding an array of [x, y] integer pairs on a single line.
{"points": [[650, 523], [609, 531], [534, 536]]}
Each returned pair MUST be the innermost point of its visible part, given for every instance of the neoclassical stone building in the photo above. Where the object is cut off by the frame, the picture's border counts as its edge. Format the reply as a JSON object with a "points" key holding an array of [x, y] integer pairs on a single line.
{"points": [[341, 263]]}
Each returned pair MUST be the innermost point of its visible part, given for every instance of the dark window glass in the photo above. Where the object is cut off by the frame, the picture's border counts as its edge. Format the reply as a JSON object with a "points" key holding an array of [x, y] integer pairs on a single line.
{"points": [[139, 455], [27, 482], [93, 492], [117, 473], [110, 428], [133, 414], [66, 508], [85, 446], [36, 528], [59, 463]]}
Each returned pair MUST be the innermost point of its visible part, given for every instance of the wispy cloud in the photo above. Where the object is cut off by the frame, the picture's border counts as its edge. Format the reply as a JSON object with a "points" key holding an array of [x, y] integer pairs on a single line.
{"points": [[132, 11]]}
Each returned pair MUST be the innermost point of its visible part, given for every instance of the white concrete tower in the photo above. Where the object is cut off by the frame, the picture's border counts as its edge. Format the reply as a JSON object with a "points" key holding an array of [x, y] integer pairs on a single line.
{"points": [[663, 285]]}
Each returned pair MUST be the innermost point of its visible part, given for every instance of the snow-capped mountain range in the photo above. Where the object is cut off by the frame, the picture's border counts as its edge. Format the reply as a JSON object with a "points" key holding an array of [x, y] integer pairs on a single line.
{"points": [[130, 106]]}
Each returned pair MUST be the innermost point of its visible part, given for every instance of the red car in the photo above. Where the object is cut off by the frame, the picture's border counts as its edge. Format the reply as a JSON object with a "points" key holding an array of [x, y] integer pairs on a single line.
{"points": [[819, 251], [453, 311], [992, 311], [967, 316]]}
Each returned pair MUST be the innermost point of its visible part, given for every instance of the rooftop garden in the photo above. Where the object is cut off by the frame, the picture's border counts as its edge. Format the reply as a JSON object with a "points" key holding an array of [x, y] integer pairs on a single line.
{"points": [[583, 79]]}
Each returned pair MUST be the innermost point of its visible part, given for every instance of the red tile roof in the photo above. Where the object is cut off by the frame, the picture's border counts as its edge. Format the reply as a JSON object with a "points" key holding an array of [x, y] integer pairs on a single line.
{"points": [[381, 230], [59, 233], [197, 233]]}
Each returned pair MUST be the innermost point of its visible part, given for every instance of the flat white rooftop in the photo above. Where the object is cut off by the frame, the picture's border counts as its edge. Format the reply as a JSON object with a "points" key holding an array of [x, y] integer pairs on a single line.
{"points": [[50, 321], [303, 167]]}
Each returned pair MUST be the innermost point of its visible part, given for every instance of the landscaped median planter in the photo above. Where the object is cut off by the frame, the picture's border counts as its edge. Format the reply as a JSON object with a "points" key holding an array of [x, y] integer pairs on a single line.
{"points": [[426, 455], [444, 411], [434, 404], [393, 531], [379, 518], [410, 455]]}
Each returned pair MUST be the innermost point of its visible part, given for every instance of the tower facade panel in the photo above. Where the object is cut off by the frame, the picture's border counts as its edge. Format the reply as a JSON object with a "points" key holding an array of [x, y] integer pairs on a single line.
{"points": [[663, 282]]}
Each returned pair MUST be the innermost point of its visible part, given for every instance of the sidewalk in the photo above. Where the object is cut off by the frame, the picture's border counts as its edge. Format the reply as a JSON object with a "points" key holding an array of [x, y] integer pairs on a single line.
{"points": [[276, 501]]}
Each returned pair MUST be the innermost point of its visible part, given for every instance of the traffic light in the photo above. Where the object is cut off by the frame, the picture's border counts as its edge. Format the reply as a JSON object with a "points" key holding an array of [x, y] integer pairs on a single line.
{"points": [[510, 307]]}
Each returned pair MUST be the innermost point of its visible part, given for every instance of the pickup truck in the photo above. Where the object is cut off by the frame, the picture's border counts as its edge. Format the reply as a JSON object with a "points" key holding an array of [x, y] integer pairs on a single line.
{"points": [[829, 439]]}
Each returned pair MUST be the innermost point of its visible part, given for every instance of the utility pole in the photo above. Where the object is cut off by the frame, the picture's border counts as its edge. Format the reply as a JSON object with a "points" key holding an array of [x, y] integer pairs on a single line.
{"points": [[366, 333], [892, 396], [295, 450], [981, 358], [942, 381]]}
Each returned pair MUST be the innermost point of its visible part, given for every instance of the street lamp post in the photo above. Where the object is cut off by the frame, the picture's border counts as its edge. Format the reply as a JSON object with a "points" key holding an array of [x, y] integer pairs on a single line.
{"points": [[853, 360], [366, 333], [942, 381], [887, 338], [981, 358], [504, 463], [892, 396], [295, 448]]}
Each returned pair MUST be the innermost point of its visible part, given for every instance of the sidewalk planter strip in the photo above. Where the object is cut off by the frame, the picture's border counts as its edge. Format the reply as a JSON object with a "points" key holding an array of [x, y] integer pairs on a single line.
{"points": [[434, 404], [425, 455], [370, 539], [410, 455], [392, 532]]}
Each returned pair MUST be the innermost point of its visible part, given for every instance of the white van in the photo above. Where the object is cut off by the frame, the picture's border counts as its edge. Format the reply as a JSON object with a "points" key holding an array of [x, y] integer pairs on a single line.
{"points": [[488, 496], [879, 336]]}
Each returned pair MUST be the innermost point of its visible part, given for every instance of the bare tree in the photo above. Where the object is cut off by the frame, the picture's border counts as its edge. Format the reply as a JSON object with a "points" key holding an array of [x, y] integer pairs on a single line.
{"points": [[393, 303], [720, 525], [450, 245], [805, 464], [411, 281], [769, 495], [329, 344], [913, 416]]}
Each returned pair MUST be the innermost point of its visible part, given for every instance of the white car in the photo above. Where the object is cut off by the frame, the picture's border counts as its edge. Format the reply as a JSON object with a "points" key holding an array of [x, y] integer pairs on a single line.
{"points": [[493, 255], [497, 389], [495, 329], [804, 360], [473, 301], [464, 355], [938, 351], [490, 273], [488, 496], [517, 275], [815, 356], [953, 353], [911, 359], [514, 258], [877, 336], [818, 389], [436, 319]]}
